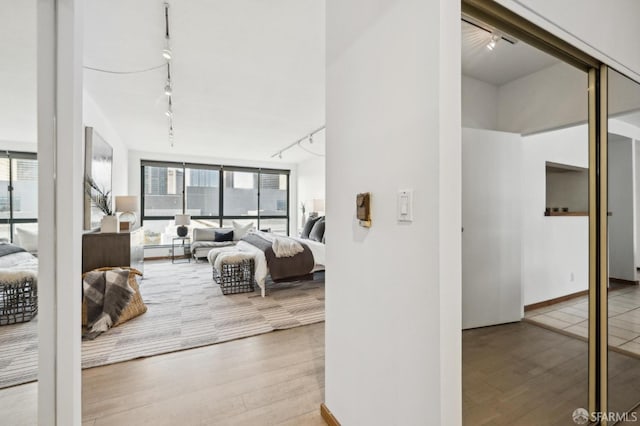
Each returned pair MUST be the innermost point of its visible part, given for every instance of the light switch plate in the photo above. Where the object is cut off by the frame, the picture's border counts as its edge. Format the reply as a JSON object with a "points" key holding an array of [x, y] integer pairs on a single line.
{"points": [[405, 205]]}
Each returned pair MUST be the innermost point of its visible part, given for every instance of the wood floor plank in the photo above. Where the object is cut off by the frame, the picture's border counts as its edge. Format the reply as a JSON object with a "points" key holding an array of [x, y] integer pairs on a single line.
{"points": [[230, 383]]}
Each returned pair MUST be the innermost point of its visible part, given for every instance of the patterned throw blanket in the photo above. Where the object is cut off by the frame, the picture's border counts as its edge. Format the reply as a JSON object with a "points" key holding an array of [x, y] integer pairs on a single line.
{"points": [[106, 294]]}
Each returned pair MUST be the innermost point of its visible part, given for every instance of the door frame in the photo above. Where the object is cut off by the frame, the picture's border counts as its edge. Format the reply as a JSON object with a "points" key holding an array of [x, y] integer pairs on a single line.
{"points": [[500, 17]]}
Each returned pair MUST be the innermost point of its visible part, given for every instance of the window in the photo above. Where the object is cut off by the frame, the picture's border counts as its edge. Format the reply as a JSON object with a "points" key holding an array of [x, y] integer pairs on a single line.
{"points": [[202, 192], [25, 188], [240, 193], [18, 193], [274, 194], [213, 195], [163, 188]]}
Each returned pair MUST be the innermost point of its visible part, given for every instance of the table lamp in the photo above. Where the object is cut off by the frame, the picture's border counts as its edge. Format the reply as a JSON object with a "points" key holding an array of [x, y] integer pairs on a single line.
{"points": [[128, 205], [182, 220]]}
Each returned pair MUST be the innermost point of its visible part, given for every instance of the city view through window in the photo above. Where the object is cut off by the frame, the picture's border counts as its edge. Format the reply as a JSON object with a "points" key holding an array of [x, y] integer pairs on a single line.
{"points": [[18, 195], [214, 196]]}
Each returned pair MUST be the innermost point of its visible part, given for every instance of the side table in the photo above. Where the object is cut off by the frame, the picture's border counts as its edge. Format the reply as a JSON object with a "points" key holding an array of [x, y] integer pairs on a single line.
{"points": [[185, 243]]}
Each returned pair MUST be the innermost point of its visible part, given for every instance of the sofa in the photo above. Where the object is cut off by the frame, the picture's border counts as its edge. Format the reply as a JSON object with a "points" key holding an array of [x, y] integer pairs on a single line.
{"points": [[205, 239]]}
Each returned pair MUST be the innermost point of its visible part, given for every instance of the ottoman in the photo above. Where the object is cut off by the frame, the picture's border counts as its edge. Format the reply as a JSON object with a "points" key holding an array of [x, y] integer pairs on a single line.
{"points": [[233, 270]]}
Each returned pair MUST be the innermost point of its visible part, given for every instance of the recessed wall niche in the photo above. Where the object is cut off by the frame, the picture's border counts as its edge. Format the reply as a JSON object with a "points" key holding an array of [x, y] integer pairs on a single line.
{"points": [[567, 189]]}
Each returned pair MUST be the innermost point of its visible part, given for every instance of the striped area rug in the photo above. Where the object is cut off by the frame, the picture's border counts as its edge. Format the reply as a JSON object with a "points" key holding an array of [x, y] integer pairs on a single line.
{"points": [[186, 310]]}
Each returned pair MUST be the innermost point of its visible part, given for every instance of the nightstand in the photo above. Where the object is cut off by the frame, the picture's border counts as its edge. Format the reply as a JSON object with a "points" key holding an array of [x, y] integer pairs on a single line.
{"points": [[185, 243]]}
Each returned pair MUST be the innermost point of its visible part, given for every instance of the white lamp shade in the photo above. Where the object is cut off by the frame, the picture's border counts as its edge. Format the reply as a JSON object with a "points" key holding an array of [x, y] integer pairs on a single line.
{"points": [[126, 203], [317, 205], [183, 219]]}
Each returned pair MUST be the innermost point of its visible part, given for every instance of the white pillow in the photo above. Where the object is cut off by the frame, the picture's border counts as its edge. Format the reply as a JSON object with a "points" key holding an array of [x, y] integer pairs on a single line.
{"points": [[240, 231], [27, 239]]}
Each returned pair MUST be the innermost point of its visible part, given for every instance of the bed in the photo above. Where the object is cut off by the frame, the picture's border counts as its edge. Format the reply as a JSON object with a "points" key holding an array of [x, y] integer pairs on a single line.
{"points": [[309, 261]]}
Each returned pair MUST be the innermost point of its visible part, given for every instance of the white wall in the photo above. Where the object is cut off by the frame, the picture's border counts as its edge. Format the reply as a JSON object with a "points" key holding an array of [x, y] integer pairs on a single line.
{"points": [[311, 182], [94, 117], [621, 205], [555, 249], [136, 156], [393, 290], [479, 104], [555, 97], [552, 97], [60, 189], [18, 146]]}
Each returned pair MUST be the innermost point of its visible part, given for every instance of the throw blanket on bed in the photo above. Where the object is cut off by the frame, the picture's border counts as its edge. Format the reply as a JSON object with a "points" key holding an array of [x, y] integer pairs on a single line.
{"points": [[106, 294], [6, 248], [280, 268], [286, 247]]}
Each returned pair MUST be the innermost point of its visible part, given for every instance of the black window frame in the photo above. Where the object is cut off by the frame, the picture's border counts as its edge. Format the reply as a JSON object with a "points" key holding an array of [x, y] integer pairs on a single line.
{"points": [[12, 221], [221, 169]]}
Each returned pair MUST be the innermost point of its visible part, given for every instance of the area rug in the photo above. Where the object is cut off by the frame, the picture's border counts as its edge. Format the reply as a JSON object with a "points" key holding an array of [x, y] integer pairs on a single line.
{"points": [[186, 310]]}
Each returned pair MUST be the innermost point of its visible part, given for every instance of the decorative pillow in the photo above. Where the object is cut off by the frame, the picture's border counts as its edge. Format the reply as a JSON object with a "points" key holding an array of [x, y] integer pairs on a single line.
{"points": [[222, 236], [308, 226], [204, 234], [27, 239], [240, 230], [317, 232]]}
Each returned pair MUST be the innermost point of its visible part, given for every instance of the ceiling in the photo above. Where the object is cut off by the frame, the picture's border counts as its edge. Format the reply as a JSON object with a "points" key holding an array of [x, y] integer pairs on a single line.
{"points": [[248, 75], [505, 63]]}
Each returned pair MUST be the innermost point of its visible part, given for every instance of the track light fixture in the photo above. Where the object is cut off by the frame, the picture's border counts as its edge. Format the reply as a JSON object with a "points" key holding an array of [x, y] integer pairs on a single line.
{"points": [[168, 88], [495, 38], [166, 52], [298, 143], [169, 112]]}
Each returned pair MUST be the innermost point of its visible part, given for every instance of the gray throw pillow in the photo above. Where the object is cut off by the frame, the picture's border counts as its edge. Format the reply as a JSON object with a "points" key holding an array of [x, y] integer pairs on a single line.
{"points": [[317, 232], [308, 226]]}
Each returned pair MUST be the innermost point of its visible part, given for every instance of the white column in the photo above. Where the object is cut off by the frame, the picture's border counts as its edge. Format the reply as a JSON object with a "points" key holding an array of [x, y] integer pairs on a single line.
{"points": [[393, 300], [450, 214], [59, 210]]}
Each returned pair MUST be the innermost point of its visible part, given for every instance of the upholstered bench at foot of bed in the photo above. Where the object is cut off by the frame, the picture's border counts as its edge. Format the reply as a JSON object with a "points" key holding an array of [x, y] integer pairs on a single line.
{"points": [[213, 253], [18, 296], [234, 271]]}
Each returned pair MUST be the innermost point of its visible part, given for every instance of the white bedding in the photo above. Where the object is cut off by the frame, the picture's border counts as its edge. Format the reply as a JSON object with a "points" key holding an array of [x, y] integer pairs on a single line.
{"points": [[19, 259], [260, 261]]}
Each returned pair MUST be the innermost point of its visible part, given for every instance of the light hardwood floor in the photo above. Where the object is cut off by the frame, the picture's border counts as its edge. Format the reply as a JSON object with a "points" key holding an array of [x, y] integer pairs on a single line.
{"points": [[271, 379], [523, 374]]}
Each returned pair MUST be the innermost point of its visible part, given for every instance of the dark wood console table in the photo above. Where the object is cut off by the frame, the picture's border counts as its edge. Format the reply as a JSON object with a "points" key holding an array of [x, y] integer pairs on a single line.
{"points": [[113, 249]]}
